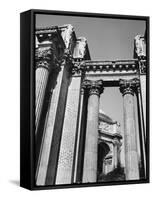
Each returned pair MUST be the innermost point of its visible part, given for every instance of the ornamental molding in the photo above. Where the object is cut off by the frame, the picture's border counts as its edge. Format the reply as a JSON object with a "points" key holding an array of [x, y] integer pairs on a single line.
{"points": [[93, 87], [48, 34], [142, 66], [45, 56], [76, 67], [129, 86], [107, 66]]}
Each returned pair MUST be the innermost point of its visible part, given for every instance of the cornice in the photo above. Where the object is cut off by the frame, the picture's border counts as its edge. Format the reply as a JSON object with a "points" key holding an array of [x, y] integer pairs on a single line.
{"points": [[48, 34], [106, 66]]}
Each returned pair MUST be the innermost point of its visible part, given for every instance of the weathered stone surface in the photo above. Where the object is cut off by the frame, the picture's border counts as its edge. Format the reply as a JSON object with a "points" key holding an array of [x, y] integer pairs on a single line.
{"points": [[140, 46], [80, 48], [66, 155], [67, 34], [131, 153], [48, 133], [78, 138], [41, 83], [58, 125], [143, 97], [90, 158]]}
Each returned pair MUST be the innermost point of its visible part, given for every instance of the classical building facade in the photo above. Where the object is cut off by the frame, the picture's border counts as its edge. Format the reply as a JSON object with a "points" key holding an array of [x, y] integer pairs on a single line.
{"points": [[75, 142], [109, 145]]}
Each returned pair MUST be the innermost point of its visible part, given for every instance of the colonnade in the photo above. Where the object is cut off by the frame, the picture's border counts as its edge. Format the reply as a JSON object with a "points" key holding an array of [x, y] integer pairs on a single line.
{"points": [[128, 88]]}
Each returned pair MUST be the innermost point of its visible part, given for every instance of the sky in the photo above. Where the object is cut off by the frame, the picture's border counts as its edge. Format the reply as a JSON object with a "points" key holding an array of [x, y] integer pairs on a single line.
{"points": [[108, 39]]}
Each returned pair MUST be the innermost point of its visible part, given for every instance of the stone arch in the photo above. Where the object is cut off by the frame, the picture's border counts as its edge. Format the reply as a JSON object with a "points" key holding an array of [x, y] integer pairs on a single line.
{"points": [[103, 150]]}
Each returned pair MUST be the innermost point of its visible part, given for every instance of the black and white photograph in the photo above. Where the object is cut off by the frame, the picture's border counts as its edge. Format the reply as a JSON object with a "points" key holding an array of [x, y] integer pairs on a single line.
{"points": [[75, 104], [90, 99]]}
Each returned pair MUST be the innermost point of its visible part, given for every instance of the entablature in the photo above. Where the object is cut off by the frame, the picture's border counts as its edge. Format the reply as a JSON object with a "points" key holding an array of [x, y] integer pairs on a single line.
{"points": [[107, 66], [109, 71]]}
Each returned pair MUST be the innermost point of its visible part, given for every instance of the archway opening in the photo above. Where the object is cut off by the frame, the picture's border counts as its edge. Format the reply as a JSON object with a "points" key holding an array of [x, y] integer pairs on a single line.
{"points": [[103, 150]]}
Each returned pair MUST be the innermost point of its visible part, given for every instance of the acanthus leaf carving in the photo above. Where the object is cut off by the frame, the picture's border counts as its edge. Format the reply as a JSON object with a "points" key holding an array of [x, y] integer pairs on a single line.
{"points": [[129, 86]]}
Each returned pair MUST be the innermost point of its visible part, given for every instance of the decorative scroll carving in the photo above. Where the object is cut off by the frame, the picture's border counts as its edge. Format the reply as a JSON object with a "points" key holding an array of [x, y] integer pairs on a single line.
{"points": [[137, 85], [76, 68], [49, 47], [94, 87], [142, 65], [44, 56], [129, 86]]}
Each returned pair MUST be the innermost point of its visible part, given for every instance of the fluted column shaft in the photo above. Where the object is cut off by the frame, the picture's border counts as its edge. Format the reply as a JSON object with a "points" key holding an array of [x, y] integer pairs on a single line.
{"points": [[131, 153], [91, 141], [41, 83], [43, 66], [51, 132]]}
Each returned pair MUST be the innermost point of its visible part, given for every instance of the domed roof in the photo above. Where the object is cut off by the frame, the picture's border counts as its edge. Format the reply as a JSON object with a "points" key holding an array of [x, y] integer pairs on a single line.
{"points": [[105, 118]]}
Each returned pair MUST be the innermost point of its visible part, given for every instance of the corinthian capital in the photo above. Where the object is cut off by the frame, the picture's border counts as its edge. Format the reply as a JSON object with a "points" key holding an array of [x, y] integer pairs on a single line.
{"points": [[94, 87], [44, 56], [129, 86]]}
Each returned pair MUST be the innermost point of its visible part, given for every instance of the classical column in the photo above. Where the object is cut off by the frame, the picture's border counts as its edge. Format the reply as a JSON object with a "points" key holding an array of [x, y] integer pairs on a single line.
{"points": [[115, 153], [69, 133], [118, 154], [140, 54], [46, 170], [127, 88], [91, 140], [141, 130], [43, 66], [142, 95], [77, 166]]}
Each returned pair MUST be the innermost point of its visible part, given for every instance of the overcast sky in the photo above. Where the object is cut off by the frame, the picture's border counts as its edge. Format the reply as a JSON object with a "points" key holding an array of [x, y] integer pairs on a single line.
{"points": [[108, 39]]}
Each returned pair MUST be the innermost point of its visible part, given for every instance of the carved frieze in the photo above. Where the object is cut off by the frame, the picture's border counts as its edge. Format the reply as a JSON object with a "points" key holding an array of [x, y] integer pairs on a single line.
{"points": [[109, 128], [107, 66]]}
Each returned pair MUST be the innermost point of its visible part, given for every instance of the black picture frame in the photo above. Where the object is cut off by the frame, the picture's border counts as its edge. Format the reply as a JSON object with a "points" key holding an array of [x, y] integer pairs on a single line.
{"points": [[27, 98]]}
